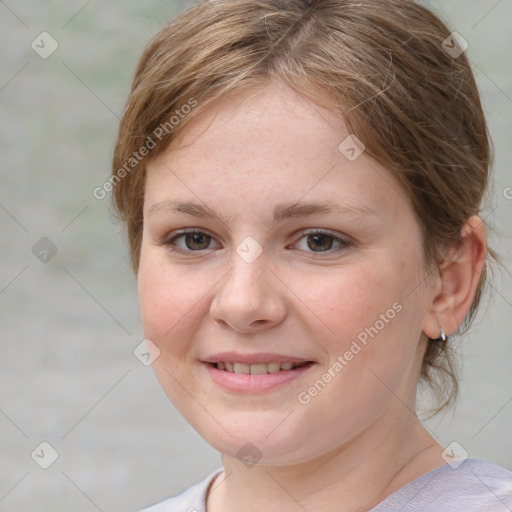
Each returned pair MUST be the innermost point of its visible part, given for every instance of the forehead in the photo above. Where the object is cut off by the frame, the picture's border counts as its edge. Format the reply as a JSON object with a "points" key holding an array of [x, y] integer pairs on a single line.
{"points": [[270, 142], [259, 118]]}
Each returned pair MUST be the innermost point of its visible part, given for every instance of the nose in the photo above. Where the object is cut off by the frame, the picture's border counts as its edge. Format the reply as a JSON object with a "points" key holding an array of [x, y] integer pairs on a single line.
{"points": [[249, 298]]}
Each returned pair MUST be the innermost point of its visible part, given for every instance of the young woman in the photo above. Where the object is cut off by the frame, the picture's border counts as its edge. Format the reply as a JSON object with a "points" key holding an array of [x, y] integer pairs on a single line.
{"points": [[301, 183]]}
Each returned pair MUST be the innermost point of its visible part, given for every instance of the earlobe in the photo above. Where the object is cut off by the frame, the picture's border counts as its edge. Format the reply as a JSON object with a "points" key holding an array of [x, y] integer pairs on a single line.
{"points": [[459, 279]]}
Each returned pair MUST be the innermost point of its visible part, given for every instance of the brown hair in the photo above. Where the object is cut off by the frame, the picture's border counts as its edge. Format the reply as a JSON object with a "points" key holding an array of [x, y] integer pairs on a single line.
{"points": [[383, 65]]}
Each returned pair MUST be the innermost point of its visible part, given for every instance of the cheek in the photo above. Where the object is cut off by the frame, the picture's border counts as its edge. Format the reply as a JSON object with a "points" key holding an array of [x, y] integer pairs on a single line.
{"points": [[166, 299], [371, 341], [169, 301], [348, 301], [370, 311]]}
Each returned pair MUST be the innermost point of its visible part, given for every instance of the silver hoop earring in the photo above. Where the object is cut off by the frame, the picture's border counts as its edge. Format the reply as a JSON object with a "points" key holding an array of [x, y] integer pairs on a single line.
{"points": [[442, 336]]}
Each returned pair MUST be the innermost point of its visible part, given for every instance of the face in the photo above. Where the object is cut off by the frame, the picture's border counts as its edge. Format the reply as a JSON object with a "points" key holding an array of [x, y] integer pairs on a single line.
{"points": [[240, 266]]}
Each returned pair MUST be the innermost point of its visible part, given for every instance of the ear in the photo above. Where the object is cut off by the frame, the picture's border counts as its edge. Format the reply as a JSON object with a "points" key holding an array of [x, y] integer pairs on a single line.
{"points": [[457, 284]]}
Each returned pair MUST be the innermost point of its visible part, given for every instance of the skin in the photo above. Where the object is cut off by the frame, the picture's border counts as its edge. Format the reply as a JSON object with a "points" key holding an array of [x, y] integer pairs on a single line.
{"points": [[358, 440]]}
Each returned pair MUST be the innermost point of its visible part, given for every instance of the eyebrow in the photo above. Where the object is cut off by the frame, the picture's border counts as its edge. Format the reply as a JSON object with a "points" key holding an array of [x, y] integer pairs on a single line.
{"points": [[281, 212]]}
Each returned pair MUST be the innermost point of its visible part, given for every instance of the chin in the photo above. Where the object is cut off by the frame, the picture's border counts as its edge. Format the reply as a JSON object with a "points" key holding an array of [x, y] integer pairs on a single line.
{"points": [[259, 445]]}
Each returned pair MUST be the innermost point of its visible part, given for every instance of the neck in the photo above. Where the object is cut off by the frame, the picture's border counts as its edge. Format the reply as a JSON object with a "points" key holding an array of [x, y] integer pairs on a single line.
{"points": [[351, 478]]}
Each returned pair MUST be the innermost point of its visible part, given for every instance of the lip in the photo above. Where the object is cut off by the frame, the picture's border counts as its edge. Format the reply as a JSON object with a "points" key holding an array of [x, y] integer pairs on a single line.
{"points": [[248, 383], [267, 357]]}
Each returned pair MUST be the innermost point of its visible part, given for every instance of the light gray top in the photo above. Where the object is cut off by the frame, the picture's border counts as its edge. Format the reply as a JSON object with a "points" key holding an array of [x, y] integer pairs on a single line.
{"points": [[475, 485]]}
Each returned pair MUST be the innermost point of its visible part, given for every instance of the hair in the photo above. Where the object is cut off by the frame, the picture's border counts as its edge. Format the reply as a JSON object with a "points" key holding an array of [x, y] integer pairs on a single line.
{"points": [[382, 65]]}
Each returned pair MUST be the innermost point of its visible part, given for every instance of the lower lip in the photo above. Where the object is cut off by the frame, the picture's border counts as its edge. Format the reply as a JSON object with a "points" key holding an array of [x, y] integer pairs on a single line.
{"points": [[254, 383]]}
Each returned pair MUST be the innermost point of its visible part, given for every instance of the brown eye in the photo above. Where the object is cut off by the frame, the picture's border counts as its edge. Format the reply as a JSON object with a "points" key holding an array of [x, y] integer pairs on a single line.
{"points": [[193, 241], [320, 241], [197, 241]]}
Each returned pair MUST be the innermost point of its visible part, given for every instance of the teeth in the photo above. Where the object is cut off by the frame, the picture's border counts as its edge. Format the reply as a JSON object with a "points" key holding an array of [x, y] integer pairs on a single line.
{"points": [[258, 369], [241, 368], [273, 367], [255, 369]]}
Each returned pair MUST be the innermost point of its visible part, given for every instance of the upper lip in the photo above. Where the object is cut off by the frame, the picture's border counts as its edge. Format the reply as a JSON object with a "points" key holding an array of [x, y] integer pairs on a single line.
{"points": [[258, 358]]}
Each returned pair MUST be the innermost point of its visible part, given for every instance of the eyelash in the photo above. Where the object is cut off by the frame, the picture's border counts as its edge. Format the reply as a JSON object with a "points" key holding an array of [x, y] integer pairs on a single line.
{"points": [[168, 242]]}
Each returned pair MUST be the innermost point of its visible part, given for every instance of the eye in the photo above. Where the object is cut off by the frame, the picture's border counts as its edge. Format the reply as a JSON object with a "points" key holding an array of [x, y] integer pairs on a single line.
{"points": [[192, 241], [320, 241]]}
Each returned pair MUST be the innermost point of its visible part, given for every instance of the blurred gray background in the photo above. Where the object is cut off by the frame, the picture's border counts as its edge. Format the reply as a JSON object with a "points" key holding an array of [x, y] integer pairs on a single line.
{"points": [[68, 376]]}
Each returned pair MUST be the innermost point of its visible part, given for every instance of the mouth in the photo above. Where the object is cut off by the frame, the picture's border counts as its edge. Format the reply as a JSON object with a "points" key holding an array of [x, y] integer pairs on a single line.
{"points": [[259, 377], [259, 368]]}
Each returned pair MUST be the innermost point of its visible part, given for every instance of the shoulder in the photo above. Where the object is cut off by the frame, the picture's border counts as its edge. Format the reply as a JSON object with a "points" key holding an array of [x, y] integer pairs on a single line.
{"points": [[191, 500], [479, 478], [473, 485]]}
